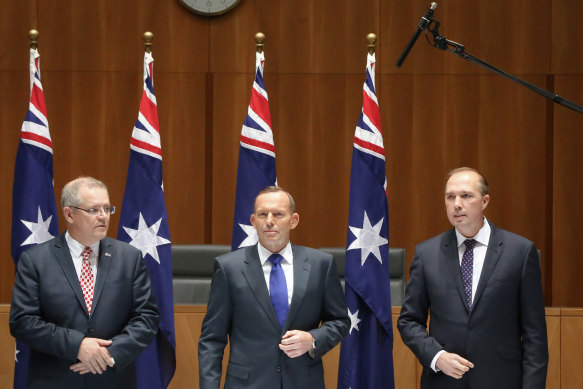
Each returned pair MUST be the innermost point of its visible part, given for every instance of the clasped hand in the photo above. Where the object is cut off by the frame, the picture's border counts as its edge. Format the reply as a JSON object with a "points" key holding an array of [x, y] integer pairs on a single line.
{"points": [[295, 343], [93, 356]]}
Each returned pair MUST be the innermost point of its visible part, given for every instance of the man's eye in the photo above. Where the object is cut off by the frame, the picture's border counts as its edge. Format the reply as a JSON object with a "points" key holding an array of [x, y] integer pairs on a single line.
{"points": [[93, 211]]}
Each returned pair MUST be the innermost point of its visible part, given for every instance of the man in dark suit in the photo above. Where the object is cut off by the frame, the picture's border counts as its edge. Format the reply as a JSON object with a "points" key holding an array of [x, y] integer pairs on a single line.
{"points": [[280, 306], [482, 286], [82, 301]]}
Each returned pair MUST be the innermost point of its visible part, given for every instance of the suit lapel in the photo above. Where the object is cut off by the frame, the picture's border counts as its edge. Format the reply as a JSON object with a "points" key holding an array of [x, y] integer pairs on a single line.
{"points": [[492, 256], [102, 270], [63, 255], [450, 255], [302, 267], [253, 273]]}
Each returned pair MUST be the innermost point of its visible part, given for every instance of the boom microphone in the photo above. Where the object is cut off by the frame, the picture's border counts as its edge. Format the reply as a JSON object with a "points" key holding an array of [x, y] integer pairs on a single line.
{"points": [[423, 23]]}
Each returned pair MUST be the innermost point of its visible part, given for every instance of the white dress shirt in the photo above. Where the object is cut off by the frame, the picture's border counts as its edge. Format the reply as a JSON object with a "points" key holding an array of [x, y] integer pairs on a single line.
{"points": [[482, 238], [76, 248], [286, 265]]}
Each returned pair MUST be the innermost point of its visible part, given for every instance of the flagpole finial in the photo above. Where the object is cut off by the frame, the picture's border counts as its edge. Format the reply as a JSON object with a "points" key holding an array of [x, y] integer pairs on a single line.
{"points": [[259, 38], [33, 35], [371, 38], [148, 38]]}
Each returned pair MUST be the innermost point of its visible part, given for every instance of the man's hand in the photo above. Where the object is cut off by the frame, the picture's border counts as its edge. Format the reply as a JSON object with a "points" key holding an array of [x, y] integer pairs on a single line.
{"points": [[453, 365], [93, 355], [295, 343]]}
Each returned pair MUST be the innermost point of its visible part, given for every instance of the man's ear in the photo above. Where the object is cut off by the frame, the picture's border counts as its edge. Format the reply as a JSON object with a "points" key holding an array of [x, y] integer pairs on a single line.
{"points": [[295, 219], [485, 201]]}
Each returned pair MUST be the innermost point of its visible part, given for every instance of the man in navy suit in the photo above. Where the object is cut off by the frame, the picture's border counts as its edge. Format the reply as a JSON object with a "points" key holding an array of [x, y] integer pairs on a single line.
{"points": [[82, 301], [280, 306], [482, 288]]}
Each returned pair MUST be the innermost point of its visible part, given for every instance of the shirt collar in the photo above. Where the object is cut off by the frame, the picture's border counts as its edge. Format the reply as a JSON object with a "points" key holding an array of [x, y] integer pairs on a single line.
{"points": [[482, 237], [77, 248], [264, 253]]}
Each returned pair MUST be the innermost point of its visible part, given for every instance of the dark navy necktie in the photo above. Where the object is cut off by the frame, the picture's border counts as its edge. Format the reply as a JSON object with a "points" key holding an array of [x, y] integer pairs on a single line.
{"points": [[467, 269], [278, 288]]}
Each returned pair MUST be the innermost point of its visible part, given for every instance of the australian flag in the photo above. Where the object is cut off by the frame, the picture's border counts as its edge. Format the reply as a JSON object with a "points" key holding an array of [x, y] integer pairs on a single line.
{"points": [[34, 209], [256, 168], [144, 224], [366, 355]]}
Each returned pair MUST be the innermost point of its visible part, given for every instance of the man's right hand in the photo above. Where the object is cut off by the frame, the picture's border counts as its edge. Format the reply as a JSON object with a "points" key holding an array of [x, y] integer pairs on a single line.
{"points": [[94, 355], [453, 365]]}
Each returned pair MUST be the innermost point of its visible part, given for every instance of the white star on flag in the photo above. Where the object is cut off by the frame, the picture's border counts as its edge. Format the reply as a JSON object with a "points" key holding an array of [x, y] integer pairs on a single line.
{"points": [[16, 351], [251, 238], [39, 231], [354, 320], [368, 238], [146, 238]]}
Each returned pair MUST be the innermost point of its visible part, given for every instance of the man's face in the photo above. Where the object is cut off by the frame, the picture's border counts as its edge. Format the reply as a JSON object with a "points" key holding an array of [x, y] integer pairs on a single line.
{"points": [[273, 220], [83, 227], [464, 202]]}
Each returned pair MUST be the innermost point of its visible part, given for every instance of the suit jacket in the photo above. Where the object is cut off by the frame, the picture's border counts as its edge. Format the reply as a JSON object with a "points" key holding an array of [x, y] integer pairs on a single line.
{"points": [[503, 335], [48, 313], [240, 308]]}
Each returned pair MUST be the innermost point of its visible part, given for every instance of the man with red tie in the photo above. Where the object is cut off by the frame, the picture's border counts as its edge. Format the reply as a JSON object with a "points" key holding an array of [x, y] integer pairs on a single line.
{"points": [[82, 301]]}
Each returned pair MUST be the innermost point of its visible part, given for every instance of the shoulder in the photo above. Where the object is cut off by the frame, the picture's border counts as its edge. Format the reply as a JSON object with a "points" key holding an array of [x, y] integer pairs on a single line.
{"points": [[437, 241], [310, 252], [511, 242], [118, 245]]}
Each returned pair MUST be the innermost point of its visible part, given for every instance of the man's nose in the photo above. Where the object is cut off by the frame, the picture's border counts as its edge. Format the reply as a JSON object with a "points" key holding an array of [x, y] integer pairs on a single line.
{"points": [[458, 202], [269, 218]]}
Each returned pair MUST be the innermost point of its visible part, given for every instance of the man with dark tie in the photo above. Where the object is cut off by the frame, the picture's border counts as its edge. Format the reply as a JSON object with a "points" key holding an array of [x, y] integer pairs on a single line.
{"points": [[482, 287], [280, 307], [82, 301]]}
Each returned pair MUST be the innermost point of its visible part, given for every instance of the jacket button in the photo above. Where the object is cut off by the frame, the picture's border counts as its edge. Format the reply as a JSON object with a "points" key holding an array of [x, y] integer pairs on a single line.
{"points": [[278, 369]]}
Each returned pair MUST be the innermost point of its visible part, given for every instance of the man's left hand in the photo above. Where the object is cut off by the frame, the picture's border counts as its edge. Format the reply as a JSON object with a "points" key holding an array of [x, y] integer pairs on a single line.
{"points": [[295, 343]]}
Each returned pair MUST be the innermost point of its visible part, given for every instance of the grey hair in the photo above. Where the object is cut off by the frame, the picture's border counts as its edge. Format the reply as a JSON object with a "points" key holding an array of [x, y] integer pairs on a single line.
{"points": [[70, 193]]}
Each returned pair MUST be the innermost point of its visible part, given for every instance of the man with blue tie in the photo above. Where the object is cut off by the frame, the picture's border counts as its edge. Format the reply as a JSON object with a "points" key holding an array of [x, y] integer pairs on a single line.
{"points": [[280, 306], [482, 288]]}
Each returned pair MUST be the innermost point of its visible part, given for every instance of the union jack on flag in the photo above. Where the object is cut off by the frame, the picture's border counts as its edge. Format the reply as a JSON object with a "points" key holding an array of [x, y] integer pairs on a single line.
{"points": [[34, 209], [366, 355], [144, 224], [256, 168]]}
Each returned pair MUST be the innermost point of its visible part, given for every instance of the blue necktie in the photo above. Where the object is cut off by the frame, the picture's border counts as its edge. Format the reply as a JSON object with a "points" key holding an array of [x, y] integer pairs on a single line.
{"points": [[278, 288], [467, 269]]}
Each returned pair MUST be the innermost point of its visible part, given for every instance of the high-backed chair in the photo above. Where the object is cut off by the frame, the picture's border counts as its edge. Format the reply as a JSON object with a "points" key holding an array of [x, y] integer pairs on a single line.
{"points": [[192, 271], [397, 263]]}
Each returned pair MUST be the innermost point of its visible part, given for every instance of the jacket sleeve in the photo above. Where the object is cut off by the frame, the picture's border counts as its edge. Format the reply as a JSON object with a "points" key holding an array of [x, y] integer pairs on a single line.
{"points": [[334, 315], [533, 324], [214, 332], [412, 322], [26, 322], [142, 327]]}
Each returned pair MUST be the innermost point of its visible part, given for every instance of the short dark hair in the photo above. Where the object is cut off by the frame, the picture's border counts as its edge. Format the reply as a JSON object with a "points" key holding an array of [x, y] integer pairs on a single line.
{"points": [[482, 185], [273, 189]]}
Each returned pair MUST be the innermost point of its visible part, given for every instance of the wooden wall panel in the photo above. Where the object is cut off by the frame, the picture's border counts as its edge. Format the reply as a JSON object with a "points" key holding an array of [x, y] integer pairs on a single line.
{"points": [[566, 35], [16, 19], [301, 36], [107, 35], [513, 36], [463, 120], [568, 185], [316, 51], [571, 351]]}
